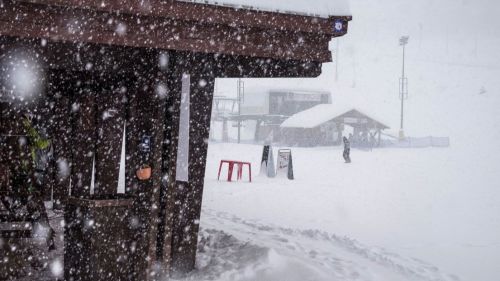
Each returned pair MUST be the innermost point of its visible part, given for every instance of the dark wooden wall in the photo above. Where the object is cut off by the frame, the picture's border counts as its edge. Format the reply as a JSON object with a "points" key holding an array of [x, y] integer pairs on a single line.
{"points": [[94, 92]]}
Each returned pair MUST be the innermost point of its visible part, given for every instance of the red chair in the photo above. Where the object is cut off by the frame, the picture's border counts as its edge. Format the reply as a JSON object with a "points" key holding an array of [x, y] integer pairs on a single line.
{"points": [[239, 166]]}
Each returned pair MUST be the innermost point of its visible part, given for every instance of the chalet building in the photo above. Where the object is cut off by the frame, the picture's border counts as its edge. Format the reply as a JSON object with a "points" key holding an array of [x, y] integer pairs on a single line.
{"points": [[325, 124]]}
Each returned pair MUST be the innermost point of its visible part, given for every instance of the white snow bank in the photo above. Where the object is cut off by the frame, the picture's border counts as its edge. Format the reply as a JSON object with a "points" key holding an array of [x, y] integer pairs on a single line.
{"points": [[322, 8], [435, 205], [248, 251]]}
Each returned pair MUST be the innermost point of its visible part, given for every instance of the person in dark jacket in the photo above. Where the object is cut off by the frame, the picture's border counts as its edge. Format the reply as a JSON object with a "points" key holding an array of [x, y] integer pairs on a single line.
{"points": [[347, 150]]}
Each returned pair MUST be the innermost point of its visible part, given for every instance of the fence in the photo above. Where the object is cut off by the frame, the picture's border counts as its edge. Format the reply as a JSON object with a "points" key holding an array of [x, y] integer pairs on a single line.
{"points": [[411, 142]]}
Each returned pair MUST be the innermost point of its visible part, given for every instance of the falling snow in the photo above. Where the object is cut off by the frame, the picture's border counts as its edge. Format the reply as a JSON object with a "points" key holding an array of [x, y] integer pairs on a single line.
{"points": [[131, 137]]}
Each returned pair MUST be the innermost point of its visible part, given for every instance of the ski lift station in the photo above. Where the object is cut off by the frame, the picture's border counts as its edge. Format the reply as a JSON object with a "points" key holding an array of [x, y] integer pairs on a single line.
{"points": [[128, 85], [264, 109]]}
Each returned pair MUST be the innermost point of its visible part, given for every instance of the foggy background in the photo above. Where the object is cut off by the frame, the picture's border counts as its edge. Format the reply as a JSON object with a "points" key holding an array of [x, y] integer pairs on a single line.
{"points": [[452, 56], [453, 67]]}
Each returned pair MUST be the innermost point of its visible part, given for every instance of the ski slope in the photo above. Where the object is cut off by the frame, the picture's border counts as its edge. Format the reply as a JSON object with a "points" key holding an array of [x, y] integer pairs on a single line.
{"points": [[441, 206], [393, 214]]}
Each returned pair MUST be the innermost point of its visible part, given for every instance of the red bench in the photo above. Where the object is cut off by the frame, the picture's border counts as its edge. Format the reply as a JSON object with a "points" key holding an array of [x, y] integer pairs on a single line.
{"points": [[239, 167]]}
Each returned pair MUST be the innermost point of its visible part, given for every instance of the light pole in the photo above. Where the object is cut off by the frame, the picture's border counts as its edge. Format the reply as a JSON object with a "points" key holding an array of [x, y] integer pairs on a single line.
{"points": [[241, 94], [403, 85]]}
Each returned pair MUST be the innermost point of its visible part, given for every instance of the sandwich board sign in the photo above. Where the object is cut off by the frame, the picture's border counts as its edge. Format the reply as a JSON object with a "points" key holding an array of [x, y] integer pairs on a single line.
{"points": [[267, 163], [285, 163]]}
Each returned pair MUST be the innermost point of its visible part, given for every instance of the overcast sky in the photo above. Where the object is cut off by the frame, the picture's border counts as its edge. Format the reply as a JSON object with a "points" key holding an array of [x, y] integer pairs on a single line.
{"points": [[453, 52]]}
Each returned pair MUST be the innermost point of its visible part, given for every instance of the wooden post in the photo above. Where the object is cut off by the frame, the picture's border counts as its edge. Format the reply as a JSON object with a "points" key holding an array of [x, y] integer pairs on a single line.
{"points": [[225, 135], [170, 146], [186, 195], [84, 139], [257, 130], [379, 136], [132, 137], [182, 198], [111, 120], [144, 138], [60, 92]]}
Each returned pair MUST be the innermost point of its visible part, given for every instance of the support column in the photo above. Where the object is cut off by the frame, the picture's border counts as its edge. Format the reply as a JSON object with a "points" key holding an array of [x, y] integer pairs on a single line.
{"points": [[84, 139], [257, 130], [225, 134], [170, 147], [187, 193], [110, 119], [144, 138], [379, 137], [60, 131]]}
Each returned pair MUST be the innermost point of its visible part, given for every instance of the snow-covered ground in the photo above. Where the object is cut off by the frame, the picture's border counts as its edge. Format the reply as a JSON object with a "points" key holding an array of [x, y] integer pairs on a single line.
{"points": [[392, 214], [441, 206]]}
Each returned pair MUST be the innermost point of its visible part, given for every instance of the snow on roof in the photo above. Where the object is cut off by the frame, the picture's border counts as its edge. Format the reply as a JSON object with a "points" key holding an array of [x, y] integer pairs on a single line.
{"points": [[318, 115], [320, 8]]}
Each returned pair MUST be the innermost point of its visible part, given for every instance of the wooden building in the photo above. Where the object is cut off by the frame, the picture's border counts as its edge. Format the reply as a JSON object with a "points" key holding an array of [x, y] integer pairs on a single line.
{"points": [[147, 68], [325, 124]]}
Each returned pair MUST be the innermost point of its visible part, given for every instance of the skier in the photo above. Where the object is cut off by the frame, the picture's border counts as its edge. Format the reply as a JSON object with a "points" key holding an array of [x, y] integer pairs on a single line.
{"points": [[347, 150]]}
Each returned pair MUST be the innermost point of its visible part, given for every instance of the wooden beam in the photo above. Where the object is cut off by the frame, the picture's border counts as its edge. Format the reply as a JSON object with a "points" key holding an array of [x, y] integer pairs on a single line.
{"points": [[207, 14], [248, 67], [95, 59], [89, 25]]}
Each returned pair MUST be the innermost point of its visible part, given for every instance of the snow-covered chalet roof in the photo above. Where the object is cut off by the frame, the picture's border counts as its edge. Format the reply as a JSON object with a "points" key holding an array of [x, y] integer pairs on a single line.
{"points": [[320, 114], [319, 8]]}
